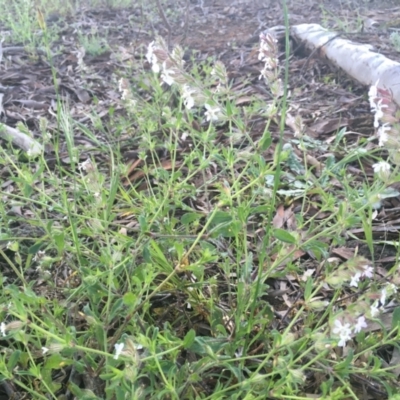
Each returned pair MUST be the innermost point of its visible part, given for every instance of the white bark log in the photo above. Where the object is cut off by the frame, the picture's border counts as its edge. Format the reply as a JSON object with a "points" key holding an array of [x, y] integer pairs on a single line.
{"points": [[21, 140], [357, 60]]}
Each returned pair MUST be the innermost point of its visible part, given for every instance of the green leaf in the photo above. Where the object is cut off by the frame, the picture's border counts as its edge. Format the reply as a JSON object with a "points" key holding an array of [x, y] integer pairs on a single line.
{"points": [[59, 239], [144, 227], [118, 308], [396, 318], [284, 236], [188, 218], [13, 360], [342, 368], [35, 248], [158, 257], [308, 289], [231, 229], [129, 299], [265, 141], [55, 361], [221, 217], [229, 108], [189, 338]]}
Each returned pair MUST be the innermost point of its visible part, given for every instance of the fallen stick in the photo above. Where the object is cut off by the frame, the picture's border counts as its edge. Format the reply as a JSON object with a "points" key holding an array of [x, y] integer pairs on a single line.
{"points": [[31, 146], [357, 60]]}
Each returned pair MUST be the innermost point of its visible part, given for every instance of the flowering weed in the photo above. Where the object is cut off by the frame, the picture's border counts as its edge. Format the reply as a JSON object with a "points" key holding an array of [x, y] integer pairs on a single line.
{"points": [[210, 247]]}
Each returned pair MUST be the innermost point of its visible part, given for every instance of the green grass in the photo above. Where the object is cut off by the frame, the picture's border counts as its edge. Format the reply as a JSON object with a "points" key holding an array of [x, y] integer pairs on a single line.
{"points": [[211, 262]]}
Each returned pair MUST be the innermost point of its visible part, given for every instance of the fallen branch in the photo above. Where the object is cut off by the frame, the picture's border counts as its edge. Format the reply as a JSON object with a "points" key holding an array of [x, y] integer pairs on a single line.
{"points": [[31, 146], [357, 60]]}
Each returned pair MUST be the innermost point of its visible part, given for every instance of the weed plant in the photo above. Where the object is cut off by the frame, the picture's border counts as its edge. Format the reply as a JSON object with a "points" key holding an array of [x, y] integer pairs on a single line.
{"points": [[163, 283]]}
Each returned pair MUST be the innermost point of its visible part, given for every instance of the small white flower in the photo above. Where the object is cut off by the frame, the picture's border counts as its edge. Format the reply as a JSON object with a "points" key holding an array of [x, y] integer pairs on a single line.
{"points": [[383, 296], [343, 340], [355, 279], [155, 66], [383, 133], [382, 169], [378, 112], [166, 75], [381, 166], [239, 353], [47, 136], [360, 324], [212, 113], [372, 95], [39, 255], [152, 59], [121, 85], [85, 165], [184, 136], [44, 350], [188, 99], [150, 52], [30, 153], [118, 350], [368, 271], [392, 288], [3, 329], [386, 292], [344, 332], [374, 310], [263, 74]]}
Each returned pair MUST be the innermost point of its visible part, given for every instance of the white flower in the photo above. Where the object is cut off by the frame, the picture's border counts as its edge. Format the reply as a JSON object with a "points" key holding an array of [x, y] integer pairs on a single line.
{"points": [[368, 271], [387, 291], [184, 136], [378, 112], [360, 324], [85, 165], [155, 66], [44, 350], [355, 279], [381, 166], [39, 255], [118, 350], [374, 310], [30, 153], [344, 332], [3, 329], [372, 95], [264, 73], [212, 113], [150, 52], [152, 59], [383, 296], [166, 75], [382, 169], [392, 288], [382, 134], [188, 99]]}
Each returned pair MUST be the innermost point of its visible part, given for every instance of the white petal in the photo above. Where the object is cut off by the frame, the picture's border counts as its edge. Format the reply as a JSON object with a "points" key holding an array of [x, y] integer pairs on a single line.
{"points": [[118, 349], [360, 324]]}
